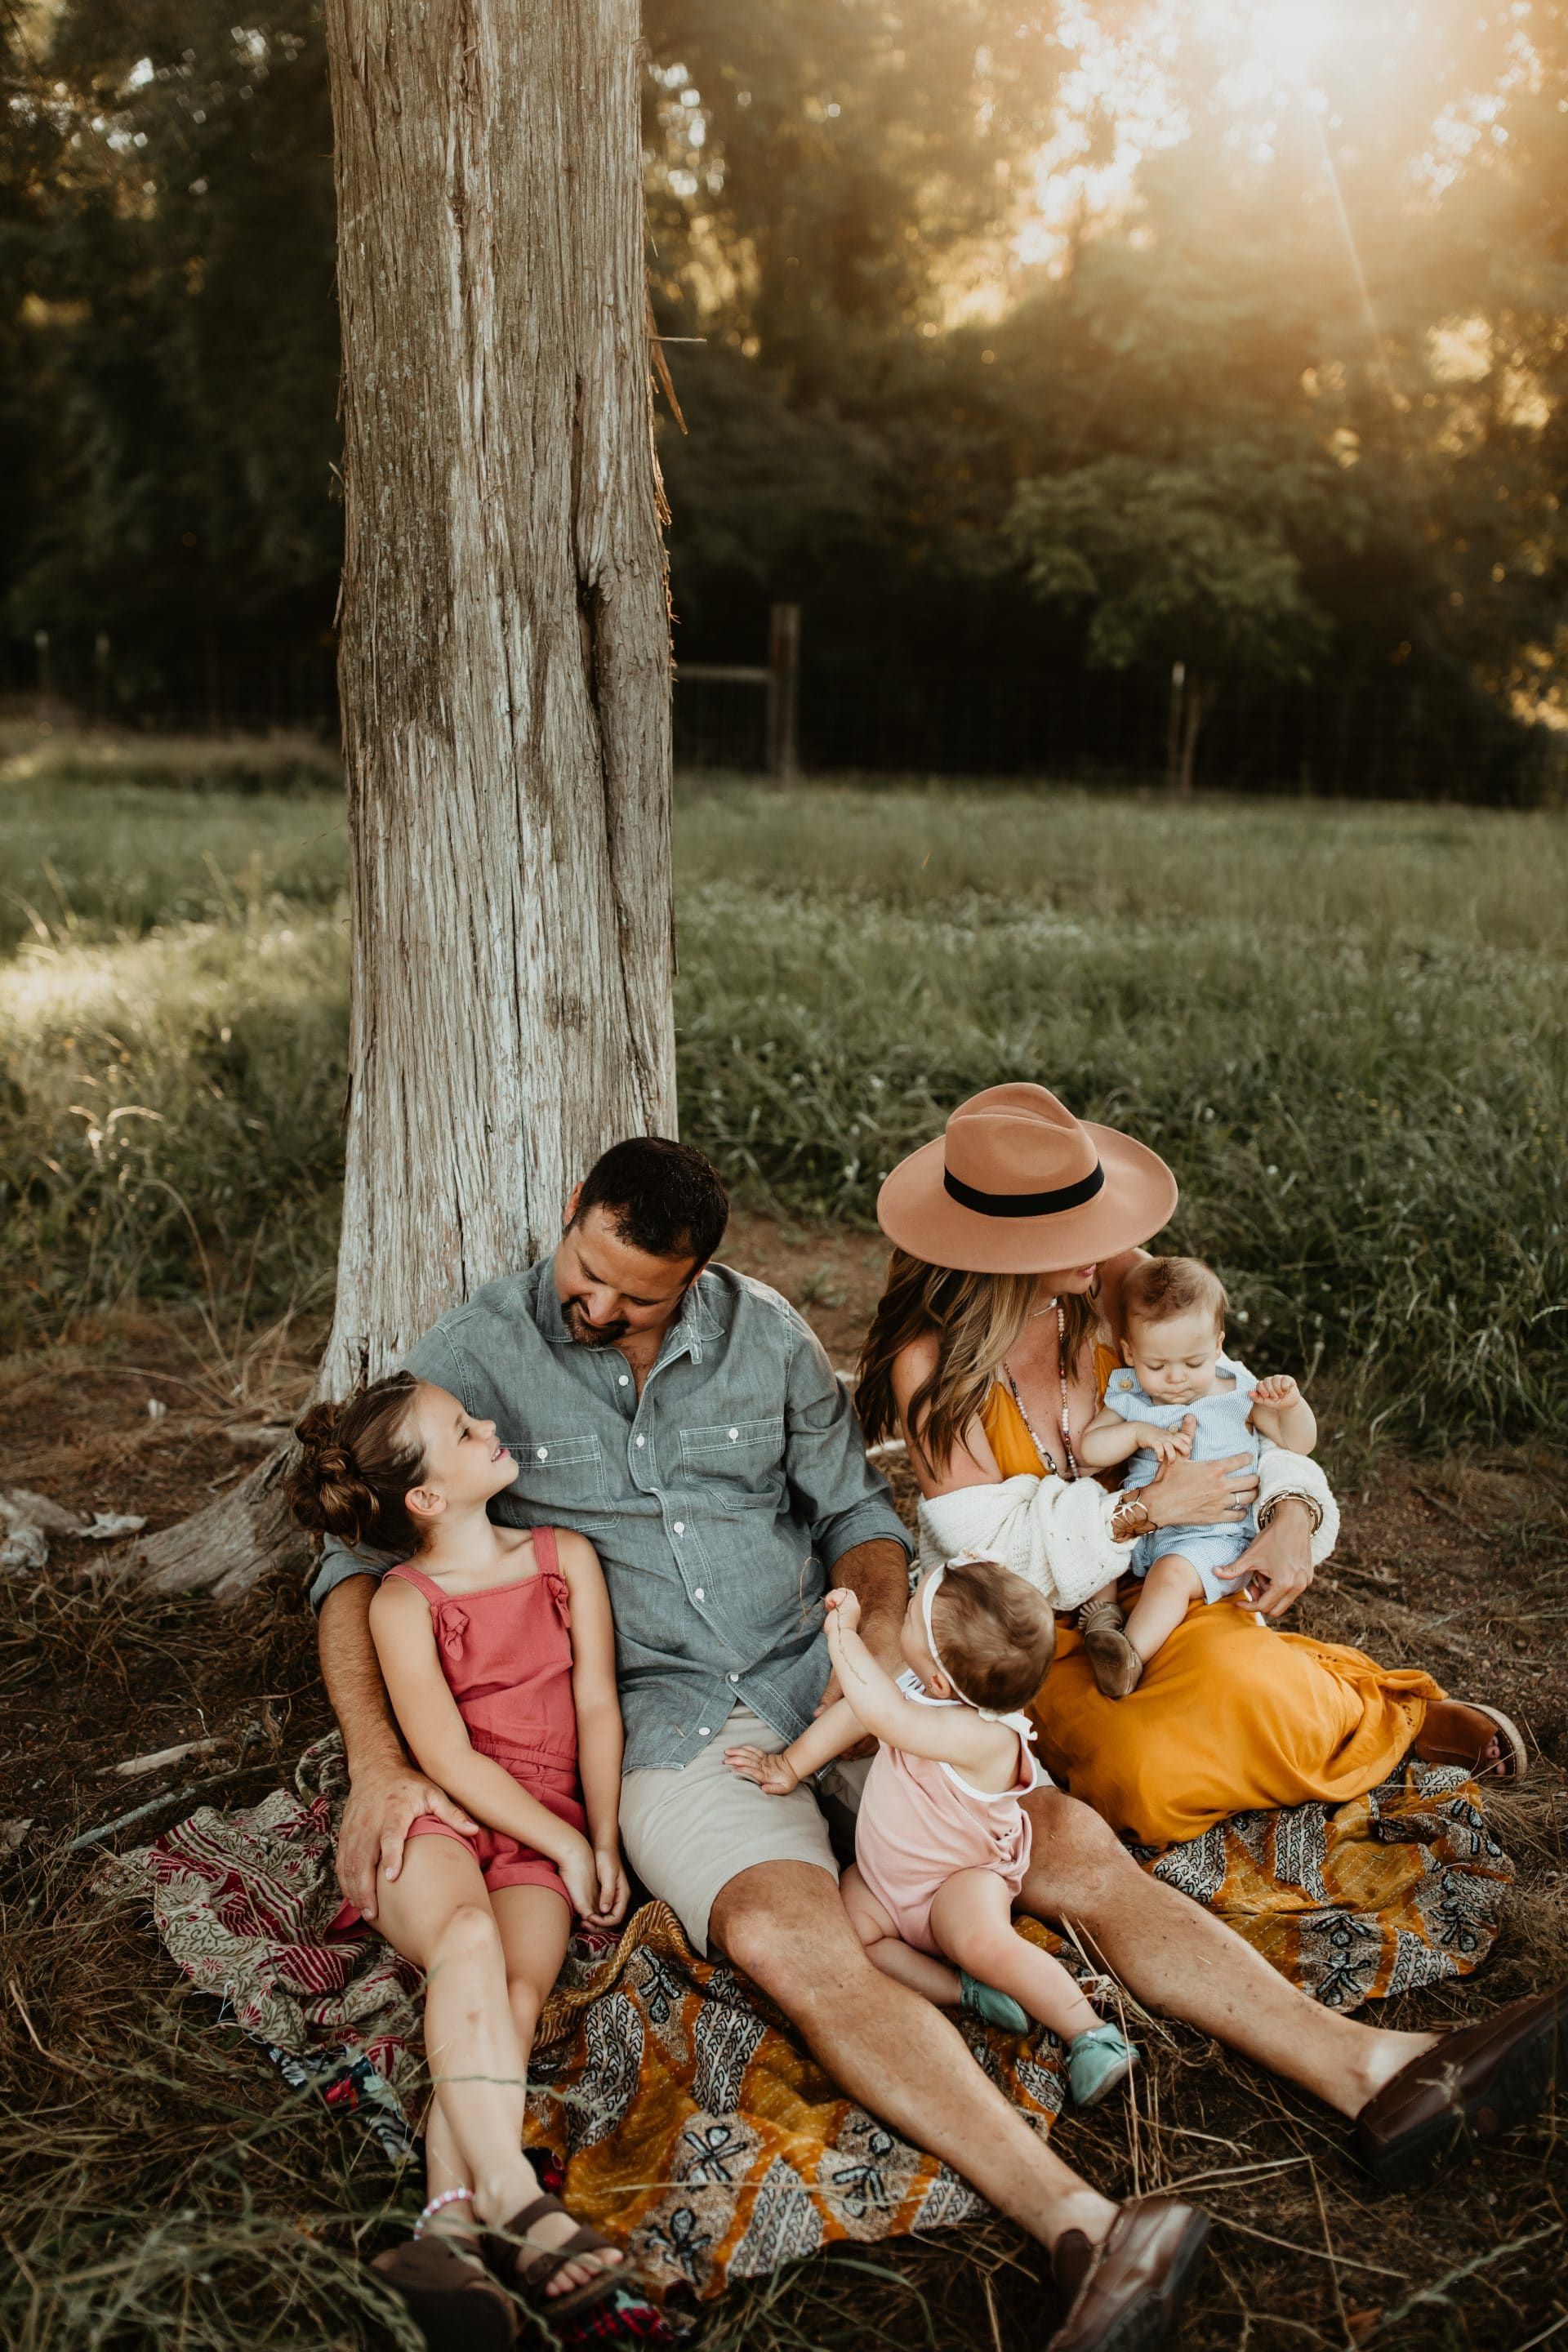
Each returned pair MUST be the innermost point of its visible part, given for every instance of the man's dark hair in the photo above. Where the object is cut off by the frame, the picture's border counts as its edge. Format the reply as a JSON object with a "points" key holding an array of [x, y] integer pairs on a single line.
{"points": [[663, 1198]]}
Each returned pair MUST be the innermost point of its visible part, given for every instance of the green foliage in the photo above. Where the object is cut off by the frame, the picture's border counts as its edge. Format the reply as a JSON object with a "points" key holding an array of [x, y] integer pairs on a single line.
{"points": [[1173, 563], [1343, 1028], [1323, 340]]}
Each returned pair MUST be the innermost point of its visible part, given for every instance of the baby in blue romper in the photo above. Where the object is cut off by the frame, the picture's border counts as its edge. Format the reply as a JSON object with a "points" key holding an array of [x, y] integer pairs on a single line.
{"points": [[1176, 1373]]}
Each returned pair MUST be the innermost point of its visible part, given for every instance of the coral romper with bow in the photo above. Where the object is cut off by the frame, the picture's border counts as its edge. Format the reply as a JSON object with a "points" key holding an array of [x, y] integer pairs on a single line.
{"points": [[507, 1658]]}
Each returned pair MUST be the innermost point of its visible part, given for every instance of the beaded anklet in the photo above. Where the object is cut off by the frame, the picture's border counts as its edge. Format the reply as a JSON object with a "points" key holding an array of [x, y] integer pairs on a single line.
{"points": [[447, 2197]]}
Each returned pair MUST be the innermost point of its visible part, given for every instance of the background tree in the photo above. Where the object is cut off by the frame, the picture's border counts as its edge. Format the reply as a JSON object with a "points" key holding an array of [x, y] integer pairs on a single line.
{"points": [[504, 666], [1184, 569]]}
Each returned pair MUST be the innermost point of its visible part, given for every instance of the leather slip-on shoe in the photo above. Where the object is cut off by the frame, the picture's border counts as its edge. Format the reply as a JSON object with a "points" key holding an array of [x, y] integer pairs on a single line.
{"points": [[1125, 2292], [1473, 2084]]}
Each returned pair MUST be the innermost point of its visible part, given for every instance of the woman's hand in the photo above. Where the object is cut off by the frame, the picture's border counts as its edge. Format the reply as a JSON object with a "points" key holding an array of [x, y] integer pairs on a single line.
{"points": [[383, 1804], [1200, 1494], [614, 1893], [1278, 1563], [775, 1776]]}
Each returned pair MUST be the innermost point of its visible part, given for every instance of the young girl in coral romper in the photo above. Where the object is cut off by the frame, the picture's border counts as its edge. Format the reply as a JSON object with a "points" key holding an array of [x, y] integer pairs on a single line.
{"points": [[499, 1656]]}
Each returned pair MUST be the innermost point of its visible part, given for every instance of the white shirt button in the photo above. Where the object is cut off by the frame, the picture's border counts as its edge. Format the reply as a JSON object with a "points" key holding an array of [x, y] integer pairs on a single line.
{"points": [[702, 1731], [680, 1526], [699, 1594], [544, 1453], [642, 1441], [733, 1679], [735, 1433], [626, 1380]]}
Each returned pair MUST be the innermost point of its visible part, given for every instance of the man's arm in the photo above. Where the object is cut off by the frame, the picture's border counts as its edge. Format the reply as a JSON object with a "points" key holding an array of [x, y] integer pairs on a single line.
{"points": [[857, 1534], [386, 1792], [878, 1574]]}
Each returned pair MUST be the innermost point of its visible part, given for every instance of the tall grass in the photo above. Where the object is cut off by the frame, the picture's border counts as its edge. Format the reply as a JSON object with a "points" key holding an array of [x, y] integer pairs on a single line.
{"points": [[1342, 1026]]}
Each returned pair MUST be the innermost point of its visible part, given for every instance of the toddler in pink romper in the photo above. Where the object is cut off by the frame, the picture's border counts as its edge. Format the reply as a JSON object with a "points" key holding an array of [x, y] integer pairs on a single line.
{"points": [[507, 1658], [927, 1829], [921, 1823]]}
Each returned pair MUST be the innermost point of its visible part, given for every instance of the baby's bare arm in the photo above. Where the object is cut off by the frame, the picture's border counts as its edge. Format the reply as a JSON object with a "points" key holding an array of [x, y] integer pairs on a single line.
{"points": [[1108, 1439], [1280, 1412]]}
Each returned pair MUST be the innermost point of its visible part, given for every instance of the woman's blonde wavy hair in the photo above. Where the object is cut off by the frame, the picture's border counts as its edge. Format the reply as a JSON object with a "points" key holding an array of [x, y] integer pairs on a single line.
{"points": [[976, 1319]]}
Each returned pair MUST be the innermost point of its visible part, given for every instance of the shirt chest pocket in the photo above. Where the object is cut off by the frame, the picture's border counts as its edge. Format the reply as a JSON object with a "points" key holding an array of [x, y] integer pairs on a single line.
{"points": [[567, 1471], [737, 1462]]}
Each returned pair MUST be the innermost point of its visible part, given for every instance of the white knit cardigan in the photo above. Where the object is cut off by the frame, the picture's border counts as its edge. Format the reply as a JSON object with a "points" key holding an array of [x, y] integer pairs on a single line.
{"points": [[1056, 1532]]}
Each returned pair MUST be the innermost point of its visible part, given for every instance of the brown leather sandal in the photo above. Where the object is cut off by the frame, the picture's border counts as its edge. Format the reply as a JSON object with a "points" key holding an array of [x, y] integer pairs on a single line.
{"points": [[1459, 1732], [528, 2274], [454, 2302]]}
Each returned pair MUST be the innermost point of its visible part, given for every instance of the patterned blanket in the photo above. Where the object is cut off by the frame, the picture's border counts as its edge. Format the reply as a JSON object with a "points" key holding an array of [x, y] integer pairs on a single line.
{"points": [[685, 2119]]}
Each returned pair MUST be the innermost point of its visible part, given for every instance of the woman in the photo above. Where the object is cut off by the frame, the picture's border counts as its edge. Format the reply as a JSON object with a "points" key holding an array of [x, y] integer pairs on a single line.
{"points": [[989, 1354]]}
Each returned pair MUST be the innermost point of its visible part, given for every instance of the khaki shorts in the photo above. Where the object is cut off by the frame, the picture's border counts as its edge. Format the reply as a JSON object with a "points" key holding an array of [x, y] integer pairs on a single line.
{"points": [[688, 1833]]}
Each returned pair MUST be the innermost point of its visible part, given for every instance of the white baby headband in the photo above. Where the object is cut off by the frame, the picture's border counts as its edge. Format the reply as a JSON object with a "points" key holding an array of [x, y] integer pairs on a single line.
{"points": [[928, 1594]]}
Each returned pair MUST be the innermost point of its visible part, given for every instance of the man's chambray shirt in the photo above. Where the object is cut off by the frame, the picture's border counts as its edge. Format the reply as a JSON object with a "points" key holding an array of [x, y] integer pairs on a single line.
{"points": [[716, 1501]]}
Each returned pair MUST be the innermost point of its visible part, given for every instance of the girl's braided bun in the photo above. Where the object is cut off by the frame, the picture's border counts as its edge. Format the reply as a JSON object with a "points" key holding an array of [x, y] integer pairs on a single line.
{"points": [[356, 1462]]}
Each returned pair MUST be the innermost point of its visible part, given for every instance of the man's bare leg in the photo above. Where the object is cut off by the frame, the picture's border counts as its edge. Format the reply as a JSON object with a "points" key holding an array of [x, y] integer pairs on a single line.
{"points": [[1182, 1963], [784, 1924]]}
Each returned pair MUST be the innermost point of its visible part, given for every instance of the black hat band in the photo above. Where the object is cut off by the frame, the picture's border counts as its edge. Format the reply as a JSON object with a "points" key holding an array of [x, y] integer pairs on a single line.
{"points": [[1024, 1205]]}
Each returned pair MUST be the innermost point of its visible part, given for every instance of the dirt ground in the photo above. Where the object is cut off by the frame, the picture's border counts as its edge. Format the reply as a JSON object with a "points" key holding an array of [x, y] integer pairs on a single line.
{"points": [[1460, 1566]]}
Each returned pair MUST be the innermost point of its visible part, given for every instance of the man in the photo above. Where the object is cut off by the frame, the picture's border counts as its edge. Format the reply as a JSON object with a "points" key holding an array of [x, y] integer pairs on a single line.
{"points": [[685, 1420]]}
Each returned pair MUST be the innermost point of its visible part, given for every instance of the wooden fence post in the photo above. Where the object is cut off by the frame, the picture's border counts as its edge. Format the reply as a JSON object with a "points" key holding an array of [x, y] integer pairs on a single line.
{"points": [[784, 692]]}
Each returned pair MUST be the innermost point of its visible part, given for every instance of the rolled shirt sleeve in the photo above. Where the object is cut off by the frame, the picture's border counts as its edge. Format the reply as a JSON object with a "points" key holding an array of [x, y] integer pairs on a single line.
{"points": [[838, 1495]]}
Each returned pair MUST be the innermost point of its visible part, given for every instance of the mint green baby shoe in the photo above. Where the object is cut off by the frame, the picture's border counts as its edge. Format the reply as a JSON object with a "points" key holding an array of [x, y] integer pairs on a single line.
{"points": [[1096, 2061]]}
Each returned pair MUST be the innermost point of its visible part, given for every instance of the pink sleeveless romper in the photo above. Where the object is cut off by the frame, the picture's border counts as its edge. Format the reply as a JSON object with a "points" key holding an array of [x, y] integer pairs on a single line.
{"points": [[507, 1658], [921, 1823]]}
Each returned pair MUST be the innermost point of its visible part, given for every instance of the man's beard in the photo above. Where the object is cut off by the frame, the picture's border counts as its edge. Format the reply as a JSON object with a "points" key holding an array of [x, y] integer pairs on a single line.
{"points": [[591, 1335]]}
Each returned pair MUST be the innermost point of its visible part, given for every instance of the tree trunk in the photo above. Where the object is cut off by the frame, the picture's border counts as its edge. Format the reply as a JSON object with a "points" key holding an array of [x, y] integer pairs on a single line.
{"points": [[504, 660]]}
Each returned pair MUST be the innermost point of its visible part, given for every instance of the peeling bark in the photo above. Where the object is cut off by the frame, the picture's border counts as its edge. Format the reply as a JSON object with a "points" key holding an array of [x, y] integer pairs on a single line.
{"points": [[504, 662]]}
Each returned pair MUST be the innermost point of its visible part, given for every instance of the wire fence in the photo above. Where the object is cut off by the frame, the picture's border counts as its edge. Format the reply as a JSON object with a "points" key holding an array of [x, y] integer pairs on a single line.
{"points": [[1385, 739]]}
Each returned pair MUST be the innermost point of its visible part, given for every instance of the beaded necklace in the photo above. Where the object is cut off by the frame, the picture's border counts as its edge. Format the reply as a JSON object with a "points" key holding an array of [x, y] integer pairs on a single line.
{"points": [[1043, 1452]]}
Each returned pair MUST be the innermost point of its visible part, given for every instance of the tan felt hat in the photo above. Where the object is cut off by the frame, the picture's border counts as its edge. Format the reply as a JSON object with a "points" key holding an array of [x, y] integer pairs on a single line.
{"points": [[1017, 1185]]}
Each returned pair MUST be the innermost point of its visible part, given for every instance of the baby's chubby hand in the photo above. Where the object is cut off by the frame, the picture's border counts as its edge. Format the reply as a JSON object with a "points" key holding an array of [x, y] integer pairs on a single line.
{"points": [[1165, 1445], [844, 1606], [775, 1776], [1279, 1392]]}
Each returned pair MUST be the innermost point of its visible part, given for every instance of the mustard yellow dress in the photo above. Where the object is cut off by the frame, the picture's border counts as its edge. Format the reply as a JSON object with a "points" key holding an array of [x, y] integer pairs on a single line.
{"points": [[1230, 1715]]}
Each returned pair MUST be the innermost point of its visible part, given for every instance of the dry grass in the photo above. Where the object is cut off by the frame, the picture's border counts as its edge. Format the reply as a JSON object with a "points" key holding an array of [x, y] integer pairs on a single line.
{"points": [[160, 2188]]}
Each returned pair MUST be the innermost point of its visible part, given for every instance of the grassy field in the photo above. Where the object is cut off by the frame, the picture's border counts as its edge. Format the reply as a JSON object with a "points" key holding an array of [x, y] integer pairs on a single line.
{"points": [[1344, 1026]]}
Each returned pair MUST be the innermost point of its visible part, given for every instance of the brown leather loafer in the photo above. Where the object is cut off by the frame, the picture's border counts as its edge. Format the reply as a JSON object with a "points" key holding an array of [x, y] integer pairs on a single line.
{"points": [[1476, 2083], [1125, 2292]]}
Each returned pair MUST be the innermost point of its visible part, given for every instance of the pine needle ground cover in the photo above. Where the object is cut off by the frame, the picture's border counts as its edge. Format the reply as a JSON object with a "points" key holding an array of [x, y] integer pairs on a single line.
{"points": [[1343, 1025]]}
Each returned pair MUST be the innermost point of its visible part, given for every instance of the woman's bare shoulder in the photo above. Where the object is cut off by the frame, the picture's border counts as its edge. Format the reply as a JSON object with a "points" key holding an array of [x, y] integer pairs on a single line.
{"points": [[913, 1365]]}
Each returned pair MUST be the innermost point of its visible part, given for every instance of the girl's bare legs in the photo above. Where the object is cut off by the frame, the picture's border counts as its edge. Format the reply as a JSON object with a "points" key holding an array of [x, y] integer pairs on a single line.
{"points": [[535, 1925], [437, 1914], [972, 1919], [1171, 1585], [887, 1949]]}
